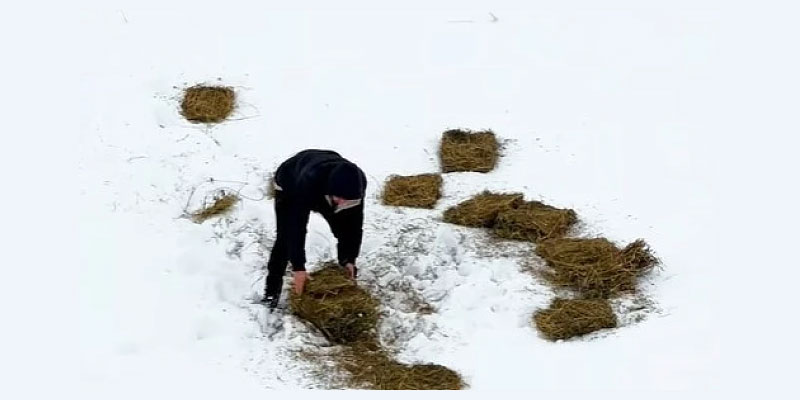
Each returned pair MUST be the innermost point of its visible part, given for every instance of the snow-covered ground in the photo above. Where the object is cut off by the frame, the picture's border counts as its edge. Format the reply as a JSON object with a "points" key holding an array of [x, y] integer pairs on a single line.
{"points": [[667, 121]]}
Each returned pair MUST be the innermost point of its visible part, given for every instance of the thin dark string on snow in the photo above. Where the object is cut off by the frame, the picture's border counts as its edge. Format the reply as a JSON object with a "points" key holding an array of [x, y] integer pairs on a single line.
{"points": [[212, 180], [241, 116], [207, 132], [245, 118], [237, 192]]}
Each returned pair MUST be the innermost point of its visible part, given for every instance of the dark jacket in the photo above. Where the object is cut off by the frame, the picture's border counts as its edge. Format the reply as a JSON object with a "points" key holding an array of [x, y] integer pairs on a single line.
{"points": [[303, 182]]}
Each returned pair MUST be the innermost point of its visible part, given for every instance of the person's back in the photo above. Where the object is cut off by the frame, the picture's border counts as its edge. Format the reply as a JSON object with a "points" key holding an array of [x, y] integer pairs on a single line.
{"points": [[321, 181], [302, 173]]}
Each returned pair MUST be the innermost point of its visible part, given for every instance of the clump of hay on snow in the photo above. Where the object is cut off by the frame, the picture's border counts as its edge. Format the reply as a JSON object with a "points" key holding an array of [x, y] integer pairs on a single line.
{"points": [[207, 104], [219, 205], [463, 150], [534, 221], [595, 268], [374, 369], [482, 210], [569, 318], [421, 191], [334, 304], [511, 217]]}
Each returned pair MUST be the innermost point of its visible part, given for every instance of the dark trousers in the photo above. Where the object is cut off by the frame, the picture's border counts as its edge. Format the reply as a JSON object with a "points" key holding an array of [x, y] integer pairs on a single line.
{"points": [[279, 257]]}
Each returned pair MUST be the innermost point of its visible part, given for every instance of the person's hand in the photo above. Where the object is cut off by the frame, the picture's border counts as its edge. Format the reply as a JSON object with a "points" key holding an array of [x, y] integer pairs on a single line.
{"points": [[300, 278], [351, 270]]}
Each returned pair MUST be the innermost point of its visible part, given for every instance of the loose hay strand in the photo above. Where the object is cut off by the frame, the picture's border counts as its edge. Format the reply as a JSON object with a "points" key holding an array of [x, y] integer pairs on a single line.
{"points": [[464, 150], [207, 104], [420, 191]]}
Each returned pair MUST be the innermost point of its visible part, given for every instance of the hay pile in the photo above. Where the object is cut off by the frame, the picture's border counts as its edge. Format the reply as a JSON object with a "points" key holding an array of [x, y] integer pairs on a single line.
{"points": [[335, 305], [207, 104], [569, 318], [482, 210], [595, 268], [221, 204], [463, 150], [376, 370], [421, 191], [348, 315], [534, 221], [510, 217]]}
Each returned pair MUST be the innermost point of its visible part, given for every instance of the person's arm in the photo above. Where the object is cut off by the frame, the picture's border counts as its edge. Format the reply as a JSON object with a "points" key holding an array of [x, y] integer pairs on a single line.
{"points": [[296, 239], [347, 226]]}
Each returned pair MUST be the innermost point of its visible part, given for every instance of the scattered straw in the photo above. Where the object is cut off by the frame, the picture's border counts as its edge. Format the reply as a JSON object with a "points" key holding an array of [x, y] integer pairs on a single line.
{"points": [[220, 206], [421, 191], [534, 221], [370, 369], [595, 267], [463, 150], [482, 210], [569, 318], [207, 104]]}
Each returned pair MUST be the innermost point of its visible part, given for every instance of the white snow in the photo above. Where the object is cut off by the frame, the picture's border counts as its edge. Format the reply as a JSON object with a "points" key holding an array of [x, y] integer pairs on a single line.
{"points": [[671, 121]]}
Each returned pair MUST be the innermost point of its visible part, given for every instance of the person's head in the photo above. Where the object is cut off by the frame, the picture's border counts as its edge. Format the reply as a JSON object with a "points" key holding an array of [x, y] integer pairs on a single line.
{"points": [[345, 183]]}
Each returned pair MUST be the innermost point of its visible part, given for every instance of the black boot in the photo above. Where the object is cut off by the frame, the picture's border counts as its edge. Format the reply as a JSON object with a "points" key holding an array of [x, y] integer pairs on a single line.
{"points": [[272, 290], [271, 301]]}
